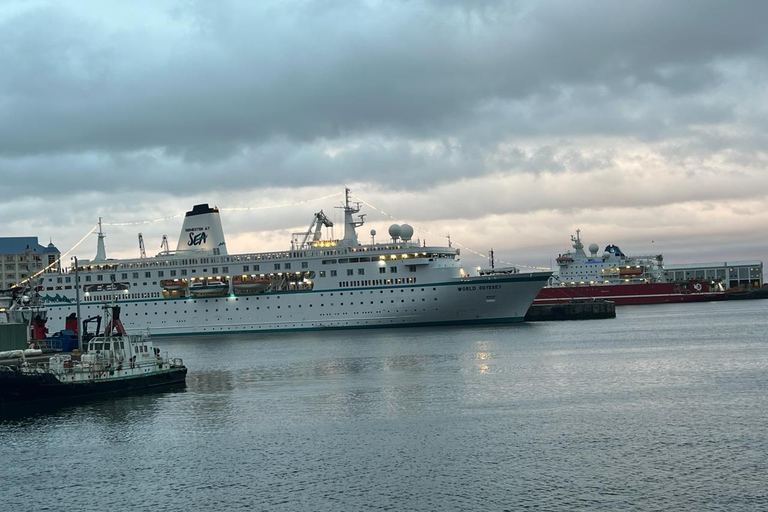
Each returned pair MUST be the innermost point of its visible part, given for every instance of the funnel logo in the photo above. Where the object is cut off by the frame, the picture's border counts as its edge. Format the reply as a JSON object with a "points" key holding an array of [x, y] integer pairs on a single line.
{"points": [[197, 239]]}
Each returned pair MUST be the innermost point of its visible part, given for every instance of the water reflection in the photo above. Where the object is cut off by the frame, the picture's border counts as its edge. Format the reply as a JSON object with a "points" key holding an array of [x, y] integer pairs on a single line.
{"points": [[553, 416]]}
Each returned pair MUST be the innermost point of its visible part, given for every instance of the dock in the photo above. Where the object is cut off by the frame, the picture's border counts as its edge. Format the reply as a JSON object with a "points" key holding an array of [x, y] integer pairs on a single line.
{"points": [[573, 310]]}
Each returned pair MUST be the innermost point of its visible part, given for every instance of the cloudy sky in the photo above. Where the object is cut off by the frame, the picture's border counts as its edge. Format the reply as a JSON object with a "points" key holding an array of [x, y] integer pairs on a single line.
{"points": [[504, 124]]}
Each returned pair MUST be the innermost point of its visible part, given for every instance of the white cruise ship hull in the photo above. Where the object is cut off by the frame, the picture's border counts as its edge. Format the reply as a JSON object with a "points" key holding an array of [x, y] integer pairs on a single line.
{"points": [[474, 300]]}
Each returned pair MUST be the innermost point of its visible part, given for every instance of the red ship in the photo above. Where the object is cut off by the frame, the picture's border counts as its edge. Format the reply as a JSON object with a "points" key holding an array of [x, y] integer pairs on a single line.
{"points": [[620, 278]]}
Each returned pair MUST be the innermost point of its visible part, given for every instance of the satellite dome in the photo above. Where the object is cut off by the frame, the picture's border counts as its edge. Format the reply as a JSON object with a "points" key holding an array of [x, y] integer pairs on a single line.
{"points": [[406, 232], [373, 232], [593, 248], [606, 255], [394, 231]]}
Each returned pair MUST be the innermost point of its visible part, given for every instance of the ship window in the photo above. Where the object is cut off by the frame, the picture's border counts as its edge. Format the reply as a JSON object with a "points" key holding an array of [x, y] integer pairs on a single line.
{"points": [[246, 268], [304, 264], [135, 275], [277, 266], [287, 266], [350, 272], [393, 270], [361, 271], [106, 346], [183, 271], [411, 268], [333, 273], [87, 278], [225, 269], [215, 270], [382, 270], [322, 273], [160, 273], [147, 274]]}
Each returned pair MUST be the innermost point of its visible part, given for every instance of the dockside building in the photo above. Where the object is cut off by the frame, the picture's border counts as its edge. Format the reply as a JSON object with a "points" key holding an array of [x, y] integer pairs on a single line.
{"points": [[24, 256], [741, 275]]}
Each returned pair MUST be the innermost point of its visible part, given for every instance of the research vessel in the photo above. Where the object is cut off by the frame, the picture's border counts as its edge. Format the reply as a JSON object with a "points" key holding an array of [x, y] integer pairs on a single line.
{"points": [[318, 283], [622, 279]]}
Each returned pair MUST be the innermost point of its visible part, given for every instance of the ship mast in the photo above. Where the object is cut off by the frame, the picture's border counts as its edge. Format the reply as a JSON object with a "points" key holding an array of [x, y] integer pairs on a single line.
{"points": [[577, 240], [350, 235]]}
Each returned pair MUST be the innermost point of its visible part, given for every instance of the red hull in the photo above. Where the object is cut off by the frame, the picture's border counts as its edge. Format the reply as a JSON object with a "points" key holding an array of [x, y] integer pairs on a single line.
{"points": [[626, 294]]}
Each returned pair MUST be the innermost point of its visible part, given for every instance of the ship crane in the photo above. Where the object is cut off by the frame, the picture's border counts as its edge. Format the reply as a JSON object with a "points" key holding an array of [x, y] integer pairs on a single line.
{"points": [[164, 245], [142, 252], [315, 229]]}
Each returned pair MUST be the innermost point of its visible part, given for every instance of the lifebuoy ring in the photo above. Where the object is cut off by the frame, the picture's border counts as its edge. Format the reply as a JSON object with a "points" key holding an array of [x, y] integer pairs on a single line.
{"points": [[697, 287]]}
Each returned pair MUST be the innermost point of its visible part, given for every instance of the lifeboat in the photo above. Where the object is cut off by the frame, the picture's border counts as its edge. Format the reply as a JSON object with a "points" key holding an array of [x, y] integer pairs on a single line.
{"points": [[242, 285], [631, 272], [173, 284], [208, 288], [564, 259]]}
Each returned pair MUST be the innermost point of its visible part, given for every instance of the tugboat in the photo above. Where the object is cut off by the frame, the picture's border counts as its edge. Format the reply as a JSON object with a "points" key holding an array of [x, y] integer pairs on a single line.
{"points": [[115, 363]]}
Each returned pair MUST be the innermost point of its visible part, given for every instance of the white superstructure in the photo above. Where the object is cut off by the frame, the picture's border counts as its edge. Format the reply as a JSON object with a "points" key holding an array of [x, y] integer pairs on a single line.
{"points": [[611, 267], [317, 284]]}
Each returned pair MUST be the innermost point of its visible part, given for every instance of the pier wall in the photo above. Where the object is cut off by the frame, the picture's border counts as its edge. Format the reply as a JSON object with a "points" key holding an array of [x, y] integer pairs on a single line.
{"points": [[571, 311]]}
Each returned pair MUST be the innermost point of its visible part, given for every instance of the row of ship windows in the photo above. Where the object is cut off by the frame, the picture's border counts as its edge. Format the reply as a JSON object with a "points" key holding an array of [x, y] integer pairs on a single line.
{"points": [[342, 284], [361, 271], [215, 270], [121, 296], [377, 282], [149, 295], [224, 270]]}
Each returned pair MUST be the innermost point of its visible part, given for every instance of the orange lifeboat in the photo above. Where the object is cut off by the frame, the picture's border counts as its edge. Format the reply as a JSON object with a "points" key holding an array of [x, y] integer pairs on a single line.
{"points": [[250, 284], [173, 284]]}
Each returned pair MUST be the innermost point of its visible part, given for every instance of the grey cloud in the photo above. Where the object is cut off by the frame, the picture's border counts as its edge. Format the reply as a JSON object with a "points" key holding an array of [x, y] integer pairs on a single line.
{"points": [[246, 74]]}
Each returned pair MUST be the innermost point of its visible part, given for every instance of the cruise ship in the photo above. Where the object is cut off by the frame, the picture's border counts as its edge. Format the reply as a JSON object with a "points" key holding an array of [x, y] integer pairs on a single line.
{"points": [[200, 288]]}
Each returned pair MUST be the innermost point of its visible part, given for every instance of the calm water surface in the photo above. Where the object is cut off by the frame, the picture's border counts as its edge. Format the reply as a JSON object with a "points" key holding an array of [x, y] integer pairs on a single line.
{"points": [[663, 408]]}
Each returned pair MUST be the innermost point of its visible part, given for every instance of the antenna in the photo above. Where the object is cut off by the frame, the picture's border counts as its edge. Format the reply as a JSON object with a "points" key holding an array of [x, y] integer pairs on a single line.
{"points": [[142, 252], [490, 258], [164, 244]]}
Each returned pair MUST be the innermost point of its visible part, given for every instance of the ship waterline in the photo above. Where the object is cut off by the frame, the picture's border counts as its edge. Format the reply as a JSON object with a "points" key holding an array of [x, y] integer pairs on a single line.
{"points": [[319, 284]]}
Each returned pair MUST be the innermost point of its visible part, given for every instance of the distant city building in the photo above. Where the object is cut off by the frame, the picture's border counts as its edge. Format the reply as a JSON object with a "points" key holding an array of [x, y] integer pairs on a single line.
{"points": [[23, 256], [733, 274]]}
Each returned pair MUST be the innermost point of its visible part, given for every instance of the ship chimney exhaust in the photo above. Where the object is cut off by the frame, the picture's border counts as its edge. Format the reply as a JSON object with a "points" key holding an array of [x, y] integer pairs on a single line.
{"points": [[202, 232]]}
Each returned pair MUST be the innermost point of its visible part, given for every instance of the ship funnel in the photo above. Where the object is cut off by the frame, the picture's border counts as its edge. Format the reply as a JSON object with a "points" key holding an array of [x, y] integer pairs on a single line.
{"points": [[202, 232]]}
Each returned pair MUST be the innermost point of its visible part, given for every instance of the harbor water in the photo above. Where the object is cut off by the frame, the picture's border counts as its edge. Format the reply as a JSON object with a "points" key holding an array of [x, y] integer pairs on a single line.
{"points": [[662, 408]]}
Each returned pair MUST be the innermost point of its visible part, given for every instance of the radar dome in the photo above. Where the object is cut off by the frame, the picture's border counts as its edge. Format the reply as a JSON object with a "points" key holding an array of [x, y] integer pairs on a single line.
{"points": [[394, 231], [373, 232], [593, 248], [406, 232], [606, 255]]}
